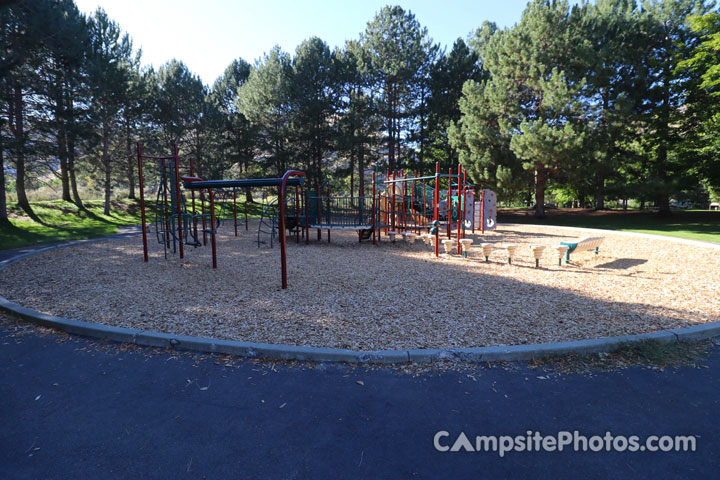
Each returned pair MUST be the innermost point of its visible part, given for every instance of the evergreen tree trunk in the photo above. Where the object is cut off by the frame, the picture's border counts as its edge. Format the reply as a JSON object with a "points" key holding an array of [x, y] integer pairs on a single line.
{"points": [[600, 192], [530, 191], [70, 131], [64, 175], [606, 142], [61, 138], [540, 185], [361, 171], [248, 191], [663, 199], [71, 170], [17, 127], [391, 121], [352, 171], [131, 162], [398, 158], [3, 199], [106, 164]]}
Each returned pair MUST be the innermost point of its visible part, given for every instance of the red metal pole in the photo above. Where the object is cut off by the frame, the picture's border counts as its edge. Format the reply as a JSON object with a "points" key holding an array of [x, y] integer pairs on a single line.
{"points": [[401, 216], [384, 209], [297, 216], [436, 201], [202, 213], [212, 227], [403, 190], [387, 202], [448, 204], [319, 207], [465, 198], [459, 209], [424, 207], [166, 213], [178, 198], [283, 242], [473, 214], [192, 192], [374, 221], [142, 203], [482, 211], [392, 205], [235, 209], [412, 204], [306, 192]]}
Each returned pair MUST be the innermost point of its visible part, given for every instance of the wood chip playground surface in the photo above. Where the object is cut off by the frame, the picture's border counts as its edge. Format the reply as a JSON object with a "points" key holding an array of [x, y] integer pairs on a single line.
{"points": [[389, 296]]}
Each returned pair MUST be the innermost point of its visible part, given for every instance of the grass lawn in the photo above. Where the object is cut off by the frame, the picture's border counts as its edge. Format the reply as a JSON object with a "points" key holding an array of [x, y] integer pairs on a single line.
{"points": [[693, 224], [62, 221]]}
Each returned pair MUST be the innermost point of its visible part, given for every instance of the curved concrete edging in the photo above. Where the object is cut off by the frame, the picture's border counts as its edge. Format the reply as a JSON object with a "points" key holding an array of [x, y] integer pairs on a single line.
{"points": [[318, 354]]}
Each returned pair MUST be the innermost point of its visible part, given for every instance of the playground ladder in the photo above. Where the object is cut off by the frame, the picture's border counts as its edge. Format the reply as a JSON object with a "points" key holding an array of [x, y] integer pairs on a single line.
{"points": [[268, 222]]}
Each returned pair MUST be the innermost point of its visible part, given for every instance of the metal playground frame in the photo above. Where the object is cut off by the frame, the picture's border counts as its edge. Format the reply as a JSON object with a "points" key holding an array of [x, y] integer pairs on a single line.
{"points": [[399, 203]]}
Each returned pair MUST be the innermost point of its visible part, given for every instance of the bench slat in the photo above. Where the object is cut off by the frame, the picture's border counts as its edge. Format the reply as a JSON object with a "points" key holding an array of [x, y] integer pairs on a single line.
{"points": [[582, 245]]}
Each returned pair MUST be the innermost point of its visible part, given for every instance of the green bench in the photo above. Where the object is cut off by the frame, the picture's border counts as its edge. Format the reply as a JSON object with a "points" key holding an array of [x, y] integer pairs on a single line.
{"points": [[582, 245]]}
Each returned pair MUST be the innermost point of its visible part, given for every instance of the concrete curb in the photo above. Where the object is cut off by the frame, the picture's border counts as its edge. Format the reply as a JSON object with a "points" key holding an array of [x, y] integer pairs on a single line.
{"points": [[318, 354]]}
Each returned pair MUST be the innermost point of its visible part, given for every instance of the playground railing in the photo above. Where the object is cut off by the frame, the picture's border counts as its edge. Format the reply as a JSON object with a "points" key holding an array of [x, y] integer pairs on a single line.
{"points": [[340, 211]]}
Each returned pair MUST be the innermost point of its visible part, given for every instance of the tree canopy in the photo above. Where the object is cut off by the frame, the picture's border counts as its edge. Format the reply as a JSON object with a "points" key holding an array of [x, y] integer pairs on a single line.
{"points": [[611, 100]]}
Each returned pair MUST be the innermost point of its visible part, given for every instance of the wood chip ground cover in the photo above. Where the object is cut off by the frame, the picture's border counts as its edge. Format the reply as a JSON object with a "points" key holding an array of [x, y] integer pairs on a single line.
{"points": [[389, 296]]}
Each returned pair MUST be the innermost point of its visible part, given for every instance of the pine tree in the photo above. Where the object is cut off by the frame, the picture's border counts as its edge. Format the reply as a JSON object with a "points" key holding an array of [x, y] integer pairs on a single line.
{"points": [[611, 58], [110, 53], [447, 79], [531, 96], [701, 125], [671, 41], [235, 144], [265, 100], [314, 92], [23, 36], [357, 137], [397, 47]]}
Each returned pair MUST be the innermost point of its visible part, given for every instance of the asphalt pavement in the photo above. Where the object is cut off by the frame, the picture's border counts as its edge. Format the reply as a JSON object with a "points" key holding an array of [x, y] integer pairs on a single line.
{"points": [[78, 408]]}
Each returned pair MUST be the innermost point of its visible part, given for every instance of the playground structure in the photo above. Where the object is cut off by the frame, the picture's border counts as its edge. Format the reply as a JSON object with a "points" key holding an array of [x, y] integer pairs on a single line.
{"points": [[398, 204], [440, 205], [175, 224]]}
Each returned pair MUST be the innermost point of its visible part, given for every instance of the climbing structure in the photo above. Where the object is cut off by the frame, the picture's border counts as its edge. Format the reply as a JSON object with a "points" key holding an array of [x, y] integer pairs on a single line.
{"points": [[440, 204], [399, 203], [176, 227]]}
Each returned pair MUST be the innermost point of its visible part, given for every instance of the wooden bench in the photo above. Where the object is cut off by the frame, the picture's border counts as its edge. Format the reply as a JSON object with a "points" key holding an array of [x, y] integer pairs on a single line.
{"points": [[582, 245]]}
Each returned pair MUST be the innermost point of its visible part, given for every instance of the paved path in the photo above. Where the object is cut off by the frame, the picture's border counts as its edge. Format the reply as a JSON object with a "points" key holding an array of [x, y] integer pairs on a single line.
{"points": [[76, 409]]}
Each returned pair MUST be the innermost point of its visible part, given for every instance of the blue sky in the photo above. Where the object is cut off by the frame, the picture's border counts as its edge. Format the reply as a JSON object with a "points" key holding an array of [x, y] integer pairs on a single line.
{"points": [[207, 35]]}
